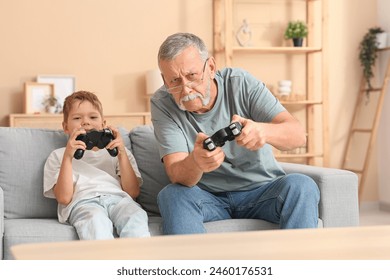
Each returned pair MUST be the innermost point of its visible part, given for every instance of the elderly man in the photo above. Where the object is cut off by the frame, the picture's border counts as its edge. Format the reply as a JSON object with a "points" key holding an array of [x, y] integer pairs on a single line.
{"points": [[240, 179]]}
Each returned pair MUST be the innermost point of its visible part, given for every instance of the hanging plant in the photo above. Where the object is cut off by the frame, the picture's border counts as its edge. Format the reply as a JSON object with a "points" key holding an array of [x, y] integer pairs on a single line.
{"points": [[368, 54]]}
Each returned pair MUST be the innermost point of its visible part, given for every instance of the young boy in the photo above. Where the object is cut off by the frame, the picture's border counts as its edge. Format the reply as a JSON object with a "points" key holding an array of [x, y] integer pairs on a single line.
{"points": [[96, 193]]}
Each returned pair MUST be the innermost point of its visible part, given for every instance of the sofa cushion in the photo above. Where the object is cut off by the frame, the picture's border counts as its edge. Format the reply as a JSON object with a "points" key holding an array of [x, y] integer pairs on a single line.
{"points": [[23, 153], [145, 150], [232, 225], [20, 231]]}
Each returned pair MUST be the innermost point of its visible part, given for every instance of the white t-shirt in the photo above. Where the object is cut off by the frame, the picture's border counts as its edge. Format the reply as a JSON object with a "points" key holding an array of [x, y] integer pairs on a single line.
{"points": [[94, 174]]}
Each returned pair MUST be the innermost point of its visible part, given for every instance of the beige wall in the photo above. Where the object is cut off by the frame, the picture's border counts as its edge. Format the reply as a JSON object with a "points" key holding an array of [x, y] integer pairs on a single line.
{"points": [[109, 45], [384, 130], [349, 20]]}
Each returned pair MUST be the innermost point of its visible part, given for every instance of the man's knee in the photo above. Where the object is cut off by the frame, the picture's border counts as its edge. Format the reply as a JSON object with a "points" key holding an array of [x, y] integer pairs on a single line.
{"points": [[303, 186], [173, 197], [169, 192], [176, 192]]}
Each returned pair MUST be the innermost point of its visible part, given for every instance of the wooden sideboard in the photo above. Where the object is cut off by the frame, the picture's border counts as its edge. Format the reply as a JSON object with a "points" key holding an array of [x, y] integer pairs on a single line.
{"points": [[54, 121]]}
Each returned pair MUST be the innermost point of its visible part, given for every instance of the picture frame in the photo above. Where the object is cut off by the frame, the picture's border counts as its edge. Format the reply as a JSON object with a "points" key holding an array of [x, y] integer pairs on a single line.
{"points": [[64, 85], [35, 96]]}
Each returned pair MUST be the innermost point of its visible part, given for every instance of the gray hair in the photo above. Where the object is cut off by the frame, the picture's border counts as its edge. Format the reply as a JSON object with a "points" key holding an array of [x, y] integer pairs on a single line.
{"points": [[176, 43]]}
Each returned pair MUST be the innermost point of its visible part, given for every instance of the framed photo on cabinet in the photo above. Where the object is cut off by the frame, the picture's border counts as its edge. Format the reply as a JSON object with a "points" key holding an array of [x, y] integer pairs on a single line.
{"points": [[64, 85], [35, 96]]}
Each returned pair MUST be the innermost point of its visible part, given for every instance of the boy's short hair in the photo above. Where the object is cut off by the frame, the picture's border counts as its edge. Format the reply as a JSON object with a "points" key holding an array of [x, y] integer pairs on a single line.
{"points": [[81, 96]]}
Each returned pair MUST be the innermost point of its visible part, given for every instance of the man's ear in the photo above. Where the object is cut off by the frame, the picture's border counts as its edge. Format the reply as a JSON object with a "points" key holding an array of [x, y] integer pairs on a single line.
{"points": [[162, 76], [213, 67]]}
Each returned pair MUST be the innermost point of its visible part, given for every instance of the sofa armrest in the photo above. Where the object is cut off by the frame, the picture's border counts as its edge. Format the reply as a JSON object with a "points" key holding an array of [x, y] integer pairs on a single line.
{"points": [[339, 206]]}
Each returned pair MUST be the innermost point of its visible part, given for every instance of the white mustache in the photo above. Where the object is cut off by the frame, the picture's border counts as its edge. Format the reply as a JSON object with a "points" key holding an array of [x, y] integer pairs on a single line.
{"points": [[190, 97]]}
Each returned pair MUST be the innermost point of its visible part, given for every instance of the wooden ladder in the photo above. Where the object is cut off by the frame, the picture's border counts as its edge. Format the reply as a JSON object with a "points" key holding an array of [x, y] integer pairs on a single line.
{"points": [[370, 132]]}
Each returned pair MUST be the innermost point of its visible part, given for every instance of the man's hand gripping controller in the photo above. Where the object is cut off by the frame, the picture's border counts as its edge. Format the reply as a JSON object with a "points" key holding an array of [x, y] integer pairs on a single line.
{"points": [[221, 136]]}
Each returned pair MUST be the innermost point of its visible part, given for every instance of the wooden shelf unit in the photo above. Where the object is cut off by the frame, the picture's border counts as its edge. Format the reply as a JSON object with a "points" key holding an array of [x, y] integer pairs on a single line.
{"points": [[283, 50], [313, 106]]}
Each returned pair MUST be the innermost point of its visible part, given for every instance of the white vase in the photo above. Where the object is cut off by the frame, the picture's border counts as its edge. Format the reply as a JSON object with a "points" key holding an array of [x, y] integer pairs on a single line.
{"points": [[52, 109], [381, 40], [284, 88]]}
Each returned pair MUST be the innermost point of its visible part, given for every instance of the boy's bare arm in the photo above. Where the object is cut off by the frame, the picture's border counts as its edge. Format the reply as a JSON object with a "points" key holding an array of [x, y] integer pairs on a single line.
{"points": [[129, 181], [64, 189]]}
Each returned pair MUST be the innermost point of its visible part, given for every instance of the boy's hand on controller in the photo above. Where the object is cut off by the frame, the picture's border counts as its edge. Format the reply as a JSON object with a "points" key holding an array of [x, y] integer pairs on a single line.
{"points": [[117, 142], [72, 145]]}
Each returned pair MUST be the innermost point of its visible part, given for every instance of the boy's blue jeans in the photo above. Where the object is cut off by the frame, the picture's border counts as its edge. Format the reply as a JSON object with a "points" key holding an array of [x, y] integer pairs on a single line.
{"points": [[96, 218], [291, 201]]}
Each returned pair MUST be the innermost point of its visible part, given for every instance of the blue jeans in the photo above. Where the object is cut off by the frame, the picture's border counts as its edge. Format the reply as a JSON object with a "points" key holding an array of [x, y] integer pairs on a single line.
{"points": [[95, 218], [290, 201]]}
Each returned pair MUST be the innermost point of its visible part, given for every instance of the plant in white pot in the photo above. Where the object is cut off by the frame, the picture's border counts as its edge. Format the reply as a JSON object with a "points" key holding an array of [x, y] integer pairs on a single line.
{"points": [[381, 39], [296, 30], [51, 104]]}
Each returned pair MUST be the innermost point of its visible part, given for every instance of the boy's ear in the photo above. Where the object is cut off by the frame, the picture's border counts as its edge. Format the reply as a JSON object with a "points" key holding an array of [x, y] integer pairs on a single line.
{"points": [[104, 123], [65, 127]]}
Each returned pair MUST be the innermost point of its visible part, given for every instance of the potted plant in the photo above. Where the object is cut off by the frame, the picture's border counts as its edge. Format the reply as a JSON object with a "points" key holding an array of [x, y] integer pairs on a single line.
{"points": [[368, 53], [296, 30], [51, 104]]}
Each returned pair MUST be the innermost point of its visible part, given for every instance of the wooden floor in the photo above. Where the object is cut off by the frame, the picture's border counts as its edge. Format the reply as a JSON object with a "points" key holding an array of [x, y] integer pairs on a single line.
{"points": [[371, 215]]}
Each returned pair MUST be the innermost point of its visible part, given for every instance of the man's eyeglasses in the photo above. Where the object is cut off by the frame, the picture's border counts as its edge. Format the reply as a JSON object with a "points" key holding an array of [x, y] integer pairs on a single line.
{"points": [[193, 83]]}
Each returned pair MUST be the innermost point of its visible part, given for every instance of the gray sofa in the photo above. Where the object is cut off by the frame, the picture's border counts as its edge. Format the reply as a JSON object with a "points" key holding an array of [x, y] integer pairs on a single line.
{"points": [[26, 216]]}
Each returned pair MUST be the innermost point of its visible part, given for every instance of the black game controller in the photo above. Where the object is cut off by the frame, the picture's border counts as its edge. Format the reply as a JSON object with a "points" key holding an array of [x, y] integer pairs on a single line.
{"points": [[221, 136], [96, 138]]}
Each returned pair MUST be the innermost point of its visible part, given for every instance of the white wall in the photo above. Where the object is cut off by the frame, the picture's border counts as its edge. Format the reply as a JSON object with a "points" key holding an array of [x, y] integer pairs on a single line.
{"points": [[383, 140]]}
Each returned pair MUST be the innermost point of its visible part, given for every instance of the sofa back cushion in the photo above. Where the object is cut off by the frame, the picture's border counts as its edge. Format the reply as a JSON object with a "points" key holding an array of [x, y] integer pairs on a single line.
{"points": [[145, 150], [23, 153]]}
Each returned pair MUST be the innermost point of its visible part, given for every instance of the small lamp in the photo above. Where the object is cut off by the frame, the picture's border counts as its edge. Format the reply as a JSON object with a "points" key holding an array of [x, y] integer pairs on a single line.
{"points": [[153, 82]]}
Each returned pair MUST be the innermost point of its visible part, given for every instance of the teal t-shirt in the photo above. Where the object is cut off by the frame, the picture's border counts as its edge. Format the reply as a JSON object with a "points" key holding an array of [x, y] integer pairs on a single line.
{"points": [[238, 93]]}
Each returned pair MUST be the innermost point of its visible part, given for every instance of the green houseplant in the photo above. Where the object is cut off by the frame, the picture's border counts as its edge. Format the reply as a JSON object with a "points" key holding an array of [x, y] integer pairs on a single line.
{"points": [[51, 104], [367, 55], [296, 30]]}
